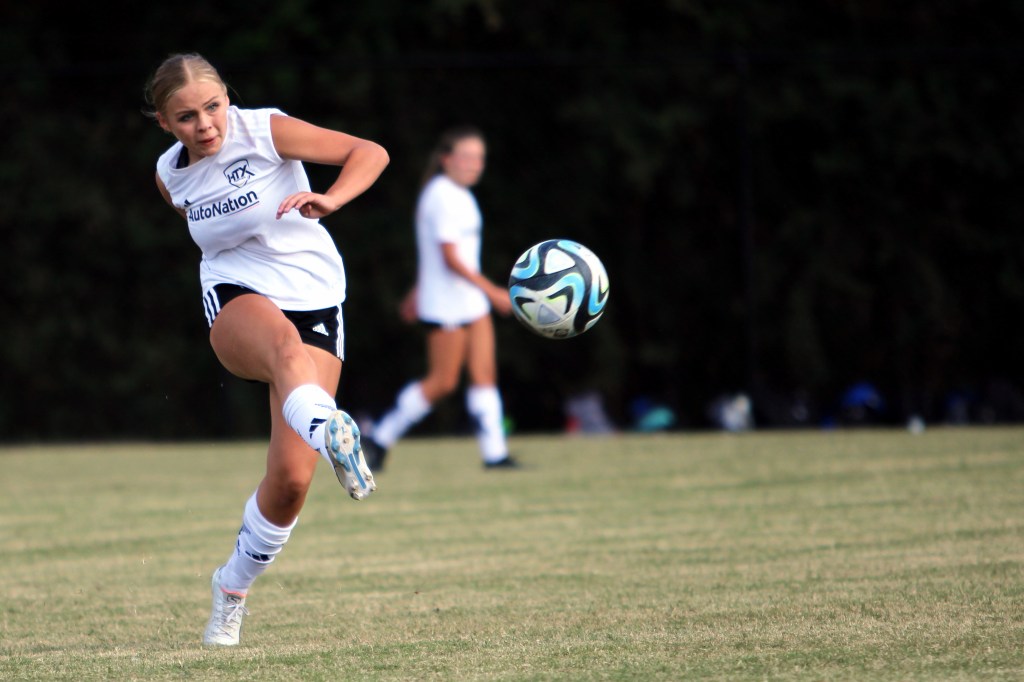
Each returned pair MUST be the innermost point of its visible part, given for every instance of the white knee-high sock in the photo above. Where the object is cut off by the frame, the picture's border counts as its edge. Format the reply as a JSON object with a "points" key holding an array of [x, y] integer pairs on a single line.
{"points": [[306, 409], [258, 543], [410, 407], [484, 404]]}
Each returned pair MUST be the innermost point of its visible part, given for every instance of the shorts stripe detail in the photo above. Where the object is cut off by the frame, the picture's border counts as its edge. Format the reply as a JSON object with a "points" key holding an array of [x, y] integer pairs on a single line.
{"points": [[212, 306], [339, 349]]}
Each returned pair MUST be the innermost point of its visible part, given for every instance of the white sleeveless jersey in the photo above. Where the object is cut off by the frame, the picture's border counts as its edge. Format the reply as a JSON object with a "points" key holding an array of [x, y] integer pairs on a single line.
{"points": [[231, 202], [447, 213]]}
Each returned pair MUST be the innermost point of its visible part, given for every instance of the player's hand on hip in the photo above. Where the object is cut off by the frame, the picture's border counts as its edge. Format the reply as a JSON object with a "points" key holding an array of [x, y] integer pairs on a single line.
{"points": [[500, 301], [308, 204]]}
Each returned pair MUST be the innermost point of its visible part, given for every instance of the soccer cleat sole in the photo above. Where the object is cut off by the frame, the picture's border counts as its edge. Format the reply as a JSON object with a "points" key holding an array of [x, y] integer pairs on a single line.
{"points": [[342, 438]]}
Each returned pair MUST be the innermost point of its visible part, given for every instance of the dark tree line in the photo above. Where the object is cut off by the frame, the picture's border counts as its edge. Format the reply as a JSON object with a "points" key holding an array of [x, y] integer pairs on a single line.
{"points": [[788, 200]]}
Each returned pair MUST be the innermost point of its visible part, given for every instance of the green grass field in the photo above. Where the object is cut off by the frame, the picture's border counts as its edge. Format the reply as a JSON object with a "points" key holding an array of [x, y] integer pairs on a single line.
{"points": [[858, 555]]}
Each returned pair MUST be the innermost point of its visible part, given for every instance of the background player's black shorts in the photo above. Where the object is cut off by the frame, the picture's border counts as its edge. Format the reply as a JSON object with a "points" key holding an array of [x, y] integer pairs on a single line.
{"points": [[430, 326], [322, 328], [447, 326]]}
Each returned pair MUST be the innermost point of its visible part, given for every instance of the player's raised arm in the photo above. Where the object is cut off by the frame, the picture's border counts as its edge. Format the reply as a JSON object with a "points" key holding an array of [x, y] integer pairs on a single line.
{"points": [[361, 161]]}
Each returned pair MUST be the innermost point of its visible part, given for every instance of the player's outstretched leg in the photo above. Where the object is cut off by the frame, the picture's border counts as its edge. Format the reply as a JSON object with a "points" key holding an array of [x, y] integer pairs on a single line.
{"points": [[341, 439], [226, 618]]}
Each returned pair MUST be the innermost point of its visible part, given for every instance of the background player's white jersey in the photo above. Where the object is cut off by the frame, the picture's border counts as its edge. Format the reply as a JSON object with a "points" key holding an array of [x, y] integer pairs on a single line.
{"points": [[231, 200], [447, 213]]}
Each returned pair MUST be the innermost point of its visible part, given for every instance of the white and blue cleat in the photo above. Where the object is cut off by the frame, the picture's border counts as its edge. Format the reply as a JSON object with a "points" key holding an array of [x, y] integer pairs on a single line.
{"points": [[342, 441]]}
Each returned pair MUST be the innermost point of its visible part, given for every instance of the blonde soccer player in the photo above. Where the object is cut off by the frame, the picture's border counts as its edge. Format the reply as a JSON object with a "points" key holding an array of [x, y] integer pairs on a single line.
{"points": [[273, 283]]}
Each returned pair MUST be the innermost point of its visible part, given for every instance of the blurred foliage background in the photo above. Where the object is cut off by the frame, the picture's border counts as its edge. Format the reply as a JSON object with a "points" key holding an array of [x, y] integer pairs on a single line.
{"points": [[789, 199]]}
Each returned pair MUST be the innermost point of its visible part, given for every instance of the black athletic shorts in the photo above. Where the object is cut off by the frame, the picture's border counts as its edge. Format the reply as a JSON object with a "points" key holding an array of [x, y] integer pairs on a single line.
{"points": [[319, 328]]}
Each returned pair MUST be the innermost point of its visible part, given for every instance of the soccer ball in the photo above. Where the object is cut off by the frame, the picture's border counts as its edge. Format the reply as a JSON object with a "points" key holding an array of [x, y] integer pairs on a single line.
{"points": [[558, 288]]}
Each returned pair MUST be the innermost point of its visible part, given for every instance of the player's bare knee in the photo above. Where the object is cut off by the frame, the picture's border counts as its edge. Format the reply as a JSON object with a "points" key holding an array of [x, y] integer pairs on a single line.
{"points": [[289, 492], [441, 387], [290, 357]]}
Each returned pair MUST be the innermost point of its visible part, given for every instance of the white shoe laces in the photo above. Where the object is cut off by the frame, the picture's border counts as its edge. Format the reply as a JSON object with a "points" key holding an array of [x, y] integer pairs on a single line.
{"points": [[229, 618]]}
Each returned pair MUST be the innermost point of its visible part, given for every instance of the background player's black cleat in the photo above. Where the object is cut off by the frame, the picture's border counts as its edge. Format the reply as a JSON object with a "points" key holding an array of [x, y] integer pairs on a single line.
{"points": [[506, 462], [374, 454]]}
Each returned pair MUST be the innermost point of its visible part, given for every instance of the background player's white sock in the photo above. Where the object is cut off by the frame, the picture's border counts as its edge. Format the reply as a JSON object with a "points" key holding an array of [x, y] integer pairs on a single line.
{"points": [[410, 407], [306, 409], [484, 404], [258, 543]]}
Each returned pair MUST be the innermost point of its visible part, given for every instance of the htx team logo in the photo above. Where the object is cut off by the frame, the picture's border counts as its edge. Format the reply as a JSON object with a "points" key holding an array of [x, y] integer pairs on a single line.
{"points": [[238, 173]]}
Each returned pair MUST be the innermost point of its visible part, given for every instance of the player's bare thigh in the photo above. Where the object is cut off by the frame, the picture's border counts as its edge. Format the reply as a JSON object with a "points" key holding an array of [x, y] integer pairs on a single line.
{"points": [[446, 353], [248, 337]]}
